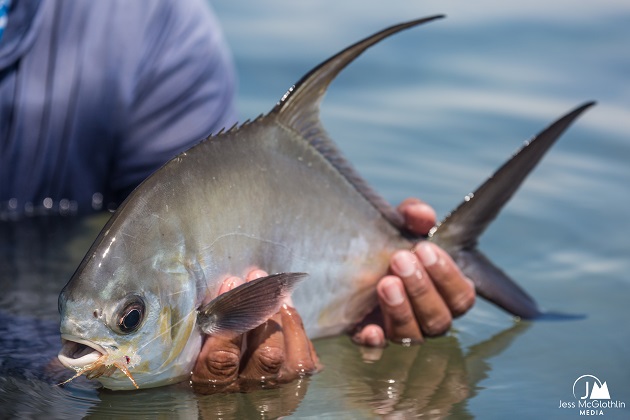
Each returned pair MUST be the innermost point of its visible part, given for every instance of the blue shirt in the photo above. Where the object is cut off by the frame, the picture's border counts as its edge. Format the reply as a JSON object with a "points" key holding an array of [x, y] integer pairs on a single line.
{"points": [[96, 95], [4, 11]]}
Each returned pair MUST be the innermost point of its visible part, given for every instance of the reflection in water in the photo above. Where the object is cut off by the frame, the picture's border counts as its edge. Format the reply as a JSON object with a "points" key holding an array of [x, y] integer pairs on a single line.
{"points": [[178, 401], [433, 379], [29, 371], [38, 256]]}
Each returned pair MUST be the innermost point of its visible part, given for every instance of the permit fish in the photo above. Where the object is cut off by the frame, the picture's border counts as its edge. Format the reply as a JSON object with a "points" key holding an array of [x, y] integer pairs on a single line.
{"points": [[273, 193]]}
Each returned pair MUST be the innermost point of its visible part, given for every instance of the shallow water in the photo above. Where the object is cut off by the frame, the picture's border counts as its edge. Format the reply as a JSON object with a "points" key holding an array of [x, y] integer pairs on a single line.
{"points": [[430, 112]]}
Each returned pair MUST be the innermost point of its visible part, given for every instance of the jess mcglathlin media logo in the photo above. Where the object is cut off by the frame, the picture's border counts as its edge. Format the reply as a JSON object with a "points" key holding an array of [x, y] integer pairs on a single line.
{"points": [[592, 397]]}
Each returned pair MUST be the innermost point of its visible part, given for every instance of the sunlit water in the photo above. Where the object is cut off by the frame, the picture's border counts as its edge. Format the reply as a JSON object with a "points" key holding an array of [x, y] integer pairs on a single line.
{"points": [[429, 113]]}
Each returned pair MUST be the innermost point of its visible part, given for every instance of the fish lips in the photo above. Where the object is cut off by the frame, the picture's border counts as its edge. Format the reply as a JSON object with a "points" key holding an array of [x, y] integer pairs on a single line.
{"points": [[77, 353]]}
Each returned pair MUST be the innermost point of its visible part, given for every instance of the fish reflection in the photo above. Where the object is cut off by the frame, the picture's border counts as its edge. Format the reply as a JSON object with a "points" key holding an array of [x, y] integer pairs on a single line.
{"points": [[433, 379]]}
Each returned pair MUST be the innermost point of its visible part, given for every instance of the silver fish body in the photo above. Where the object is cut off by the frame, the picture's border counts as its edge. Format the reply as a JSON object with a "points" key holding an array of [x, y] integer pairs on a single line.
{"points": [[274, 193]]}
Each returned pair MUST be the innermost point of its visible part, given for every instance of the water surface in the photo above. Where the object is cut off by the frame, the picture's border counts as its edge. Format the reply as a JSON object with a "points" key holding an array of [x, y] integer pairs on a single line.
{"points": [[430, 112]]}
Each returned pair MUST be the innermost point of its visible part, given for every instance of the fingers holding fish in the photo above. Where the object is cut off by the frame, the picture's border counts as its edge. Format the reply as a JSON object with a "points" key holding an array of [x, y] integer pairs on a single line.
{"points": [[301, 358], [218, 362], [280, 348], [256, 274], [419, 217], [420, 299], [455, 289], [217, 366], [276, 351], [229, 284], [398, 315], [430, 310], [425, 292], [265, 352], [435, 287]]}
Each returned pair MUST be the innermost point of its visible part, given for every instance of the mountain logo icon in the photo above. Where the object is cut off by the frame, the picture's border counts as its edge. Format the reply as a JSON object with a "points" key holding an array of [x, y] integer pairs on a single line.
{"points": [[593, 388]]}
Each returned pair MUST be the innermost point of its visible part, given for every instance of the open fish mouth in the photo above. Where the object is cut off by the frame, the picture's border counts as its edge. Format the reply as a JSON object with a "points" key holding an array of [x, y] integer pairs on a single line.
{"points": [[86, 357], [77, 353]]}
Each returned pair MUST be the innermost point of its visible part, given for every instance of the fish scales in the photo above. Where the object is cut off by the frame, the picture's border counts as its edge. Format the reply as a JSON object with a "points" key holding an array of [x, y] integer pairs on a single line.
{"points": [[230, 208], [274, 193]]}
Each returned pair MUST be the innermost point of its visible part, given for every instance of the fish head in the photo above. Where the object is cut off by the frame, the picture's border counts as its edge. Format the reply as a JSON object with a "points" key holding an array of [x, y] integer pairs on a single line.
{"points": [[128, 315]]}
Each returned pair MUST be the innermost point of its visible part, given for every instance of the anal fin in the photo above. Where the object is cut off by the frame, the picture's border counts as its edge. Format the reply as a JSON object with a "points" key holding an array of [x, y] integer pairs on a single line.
{"points": [[492, 284]]}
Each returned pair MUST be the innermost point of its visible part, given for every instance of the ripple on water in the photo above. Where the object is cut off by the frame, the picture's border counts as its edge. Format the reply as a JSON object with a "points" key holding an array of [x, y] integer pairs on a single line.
{"points": [[29, 372]]}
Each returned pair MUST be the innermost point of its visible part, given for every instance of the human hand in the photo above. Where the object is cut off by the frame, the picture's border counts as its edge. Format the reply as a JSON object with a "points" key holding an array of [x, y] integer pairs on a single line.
{"points": [[424, 292], [277, 351]]}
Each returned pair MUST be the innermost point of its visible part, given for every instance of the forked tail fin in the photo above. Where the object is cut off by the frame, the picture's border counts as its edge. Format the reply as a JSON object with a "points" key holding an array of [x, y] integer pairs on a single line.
{"points": [[460, 230], [298, 110]]}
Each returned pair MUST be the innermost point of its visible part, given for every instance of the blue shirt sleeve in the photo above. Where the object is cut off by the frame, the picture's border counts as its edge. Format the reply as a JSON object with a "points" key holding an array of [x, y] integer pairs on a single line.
{"points": [[95, 96], [183, 90]]}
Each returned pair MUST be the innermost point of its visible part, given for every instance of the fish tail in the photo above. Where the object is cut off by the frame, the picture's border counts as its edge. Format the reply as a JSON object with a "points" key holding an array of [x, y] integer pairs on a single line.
{"points": [[458, 233]]}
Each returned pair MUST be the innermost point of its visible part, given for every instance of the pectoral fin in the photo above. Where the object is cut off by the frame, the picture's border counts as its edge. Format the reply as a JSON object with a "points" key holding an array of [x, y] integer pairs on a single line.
{"points": [[248, 305]]}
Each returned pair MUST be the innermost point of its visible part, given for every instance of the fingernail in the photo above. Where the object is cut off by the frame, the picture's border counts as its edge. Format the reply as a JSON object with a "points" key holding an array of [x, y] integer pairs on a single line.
{"points": [[427, 254], [229, 284], [256, 274], [404, 263], [421, 210], [374, 338], [392, 292], [235, 282], [424, 208]]}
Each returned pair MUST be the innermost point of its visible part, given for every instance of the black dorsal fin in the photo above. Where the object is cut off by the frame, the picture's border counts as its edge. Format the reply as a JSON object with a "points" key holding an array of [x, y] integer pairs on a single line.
{"points": [[299, 110]]}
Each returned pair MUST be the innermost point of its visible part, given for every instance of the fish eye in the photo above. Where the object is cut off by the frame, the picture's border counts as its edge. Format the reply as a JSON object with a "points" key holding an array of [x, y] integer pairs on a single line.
{"points": [[131, 316]]}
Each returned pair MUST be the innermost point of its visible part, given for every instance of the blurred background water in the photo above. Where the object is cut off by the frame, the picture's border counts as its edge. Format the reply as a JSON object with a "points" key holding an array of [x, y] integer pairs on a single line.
{"points": [[431, 113]]}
